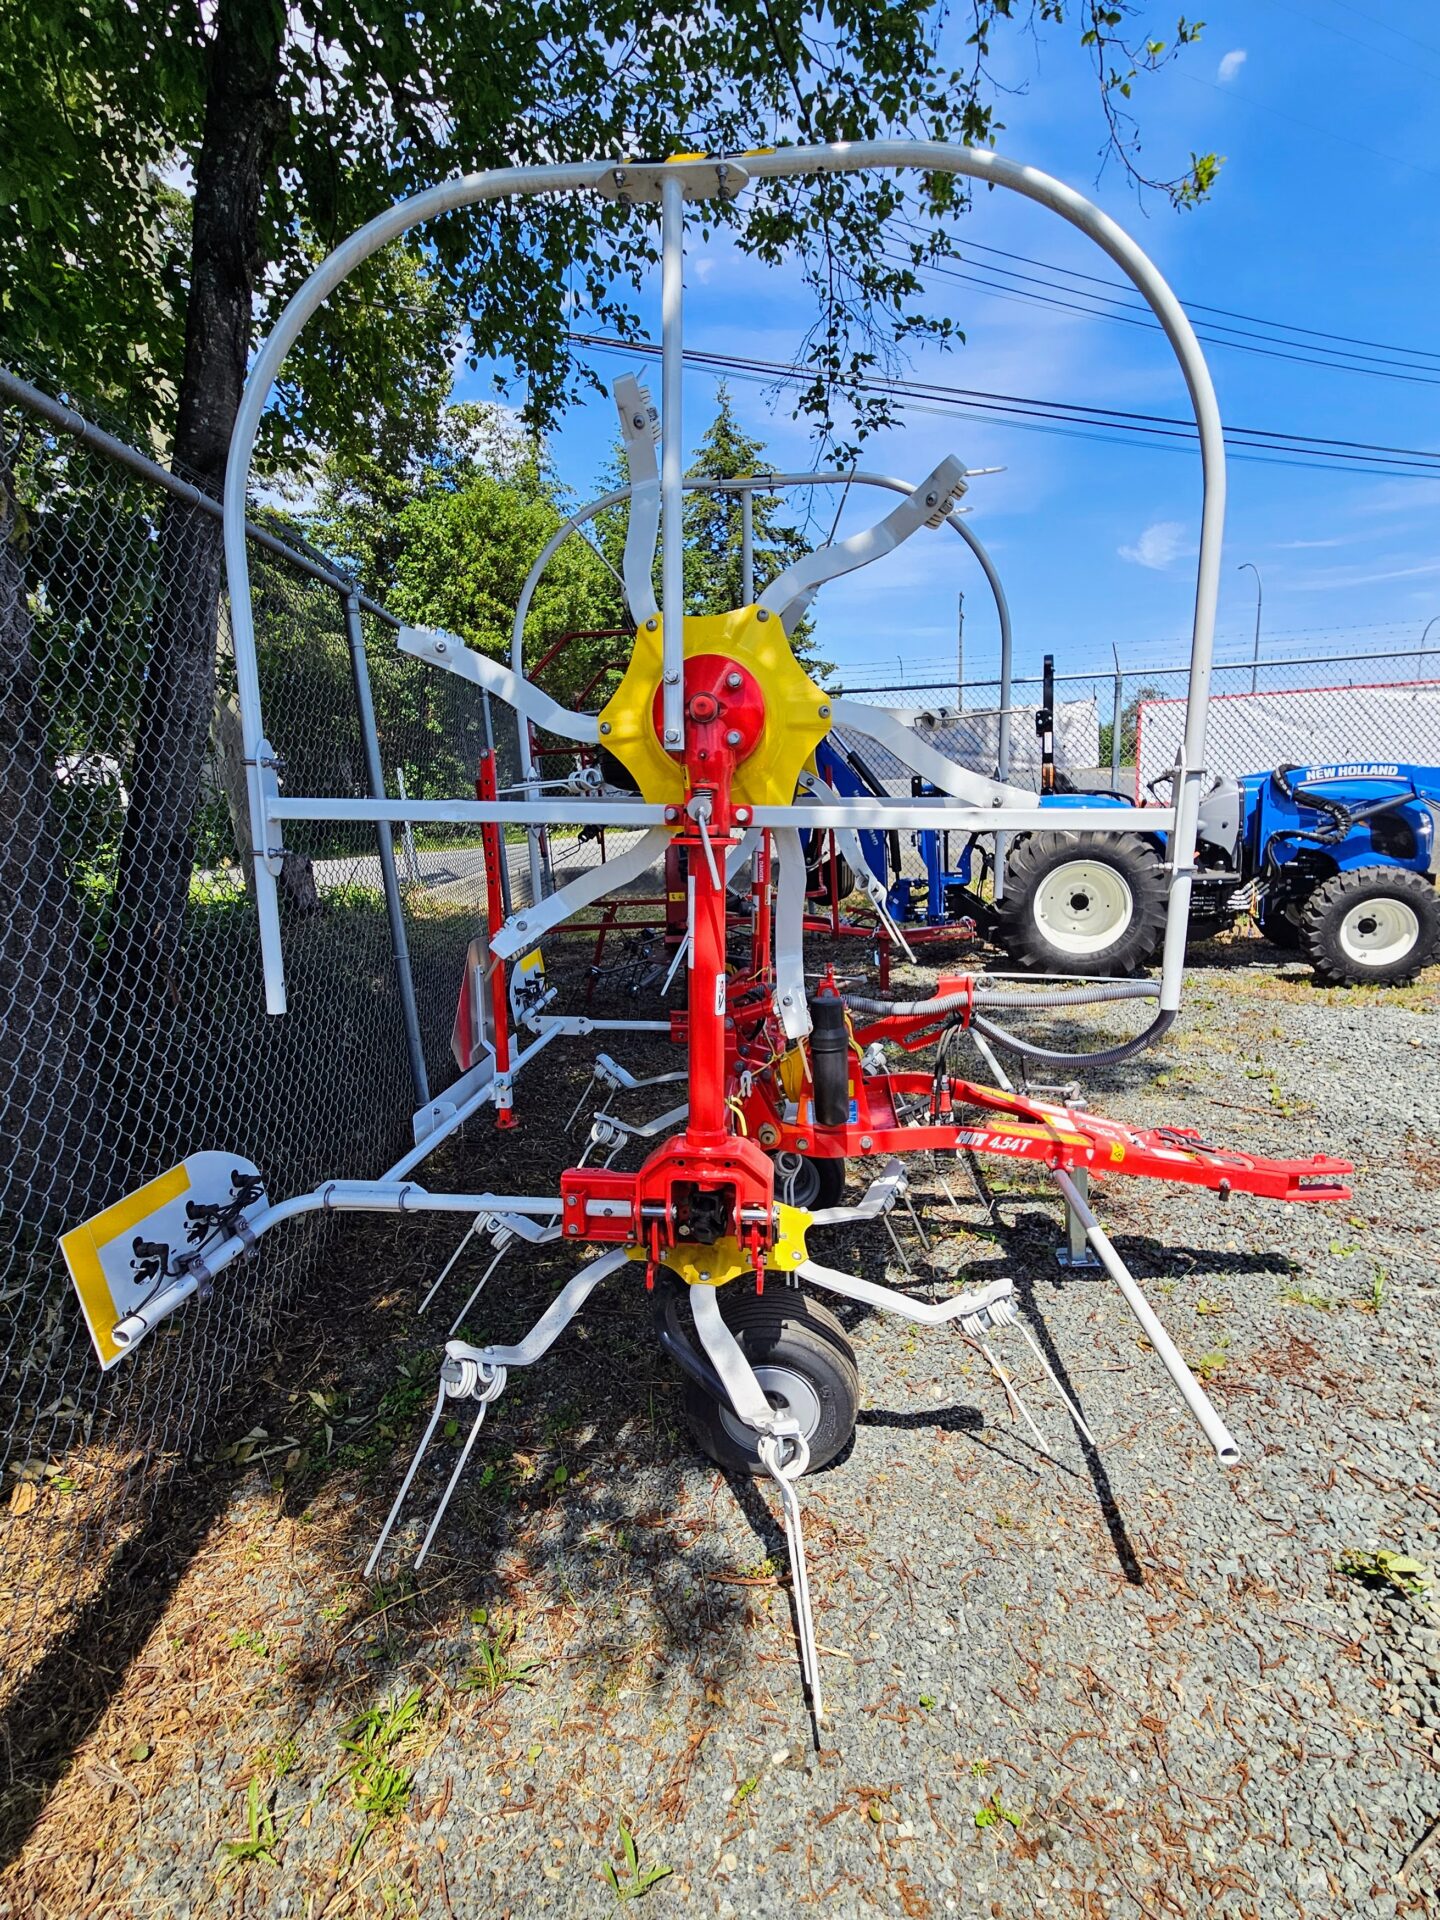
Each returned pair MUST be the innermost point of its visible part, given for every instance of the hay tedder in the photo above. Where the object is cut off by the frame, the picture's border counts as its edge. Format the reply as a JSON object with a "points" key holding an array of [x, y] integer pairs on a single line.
{"points": [[709, 744]]}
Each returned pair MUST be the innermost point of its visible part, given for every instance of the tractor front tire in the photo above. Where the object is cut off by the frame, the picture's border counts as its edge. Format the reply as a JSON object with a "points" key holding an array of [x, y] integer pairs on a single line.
{"points": [[1082, 903], [1372, 926], [805, 1363]]}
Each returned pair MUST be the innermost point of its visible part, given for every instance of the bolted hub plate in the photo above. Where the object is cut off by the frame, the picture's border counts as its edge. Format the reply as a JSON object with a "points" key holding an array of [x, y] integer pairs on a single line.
{"points": [[726, 1260], [795, 713]]}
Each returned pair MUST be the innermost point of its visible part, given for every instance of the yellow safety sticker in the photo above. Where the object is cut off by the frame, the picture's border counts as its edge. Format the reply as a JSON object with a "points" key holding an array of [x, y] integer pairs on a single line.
{"points": [[82, 1248]]}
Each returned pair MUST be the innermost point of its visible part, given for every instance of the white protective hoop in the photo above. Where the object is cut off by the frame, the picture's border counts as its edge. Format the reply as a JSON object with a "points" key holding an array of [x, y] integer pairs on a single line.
{"points": [[933, 156]]}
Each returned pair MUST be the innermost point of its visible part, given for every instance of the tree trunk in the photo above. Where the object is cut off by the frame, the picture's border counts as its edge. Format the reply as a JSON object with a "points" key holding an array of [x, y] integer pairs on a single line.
{"points": [[243, 119], [47, 1095]]}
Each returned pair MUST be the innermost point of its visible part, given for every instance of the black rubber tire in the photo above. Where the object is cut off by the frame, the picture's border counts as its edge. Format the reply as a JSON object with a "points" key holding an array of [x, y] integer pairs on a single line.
{"points": [[1332, 903], [782, 1329], [818, 1183], [1282, 928], [817, 876], [1038, 856]]}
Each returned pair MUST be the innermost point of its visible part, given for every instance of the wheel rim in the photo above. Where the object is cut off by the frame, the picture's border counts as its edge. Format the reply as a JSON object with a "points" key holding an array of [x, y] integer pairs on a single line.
{"points": [[788, 1392], [797, 1181], [1083, 906], [1378, 932]]}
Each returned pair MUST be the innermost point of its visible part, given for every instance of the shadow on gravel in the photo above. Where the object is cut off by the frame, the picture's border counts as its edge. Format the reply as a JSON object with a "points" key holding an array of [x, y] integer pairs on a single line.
{"points": [[1094, 1463], [64, 1698]]}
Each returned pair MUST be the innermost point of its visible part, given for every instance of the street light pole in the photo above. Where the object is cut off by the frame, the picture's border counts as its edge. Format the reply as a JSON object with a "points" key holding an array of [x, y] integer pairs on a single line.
{"points": [[1259, 603], [1423, 638]]}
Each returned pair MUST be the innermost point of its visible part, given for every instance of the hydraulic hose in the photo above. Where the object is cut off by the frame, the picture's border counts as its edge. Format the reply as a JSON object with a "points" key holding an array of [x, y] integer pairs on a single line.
{"points": [[985, 994], [1052, 1057], [995, 995]]}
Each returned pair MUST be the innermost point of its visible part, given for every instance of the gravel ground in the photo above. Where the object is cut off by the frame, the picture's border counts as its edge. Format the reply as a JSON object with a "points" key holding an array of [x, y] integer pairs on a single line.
{"points": [[1127, 1682]]}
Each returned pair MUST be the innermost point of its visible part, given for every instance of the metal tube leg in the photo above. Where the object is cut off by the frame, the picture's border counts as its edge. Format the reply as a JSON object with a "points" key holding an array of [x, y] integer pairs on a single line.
{"points": [[1191, 1391], [1076, 1254]]}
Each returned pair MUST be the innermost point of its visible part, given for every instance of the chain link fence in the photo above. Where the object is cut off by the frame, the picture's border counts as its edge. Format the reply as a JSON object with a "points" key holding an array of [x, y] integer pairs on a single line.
{"points": [[132, 1021], [1120, 730]]}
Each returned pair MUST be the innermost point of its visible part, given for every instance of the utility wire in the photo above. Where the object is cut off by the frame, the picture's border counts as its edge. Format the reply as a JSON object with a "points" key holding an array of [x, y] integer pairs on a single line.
{"points": [[1276, 330], [1003, 292], [1061, 415], [988, 280]]}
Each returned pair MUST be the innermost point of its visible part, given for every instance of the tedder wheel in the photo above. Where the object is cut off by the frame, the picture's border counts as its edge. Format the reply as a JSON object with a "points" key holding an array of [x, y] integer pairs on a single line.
{"points": [[817, 876], [804, 1361], [1082, 903], [1373, 925], [811, 1184]]}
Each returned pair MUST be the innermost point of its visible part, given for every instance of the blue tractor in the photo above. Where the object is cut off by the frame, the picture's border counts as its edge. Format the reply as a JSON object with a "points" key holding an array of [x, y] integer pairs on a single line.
{"points": [[1335, 862]]}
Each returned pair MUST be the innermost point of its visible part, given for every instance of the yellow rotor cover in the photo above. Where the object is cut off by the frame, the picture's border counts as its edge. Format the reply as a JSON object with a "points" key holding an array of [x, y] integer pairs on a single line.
{"points": [[797, 712]]}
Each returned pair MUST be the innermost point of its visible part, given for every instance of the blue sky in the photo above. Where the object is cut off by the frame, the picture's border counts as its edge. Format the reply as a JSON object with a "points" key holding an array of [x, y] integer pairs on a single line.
{"points": [[1326, 216]]}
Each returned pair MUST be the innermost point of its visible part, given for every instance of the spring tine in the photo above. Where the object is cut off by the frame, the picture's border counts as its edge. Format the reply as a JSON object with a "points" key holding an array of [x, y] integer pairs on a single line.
{"points": [[680, 953], [591, 1089], [915, 1219], [445, 1270], [945, 1189], [895, 1242], [709, 852], [454, 1481], [500, 1252], [800, 1577], [769, 1450], [410, 1473], [1015, 1400], [1074, 1411]]}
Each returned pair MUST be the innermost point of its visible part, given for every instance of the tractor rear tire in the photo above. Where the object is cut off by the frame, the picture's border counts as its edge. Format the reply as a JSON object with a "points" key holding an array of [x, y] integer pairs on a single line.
{"points": [[1372, 926], [803, 1359], [1082, 903]]}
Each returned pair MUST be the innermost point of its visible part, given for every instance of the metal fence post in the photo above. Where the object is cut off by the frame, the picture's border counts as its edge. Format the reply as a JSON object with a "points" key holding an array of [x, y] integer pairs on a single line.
{"points": [[1115, 722], [407, 834], [404, 978]]}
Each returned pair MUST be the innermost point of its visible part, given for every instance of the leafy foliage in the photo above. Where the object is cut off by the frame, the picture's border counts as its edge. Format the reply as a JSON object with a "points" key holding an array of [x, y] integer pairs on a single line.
{"points": [[107, 108]]}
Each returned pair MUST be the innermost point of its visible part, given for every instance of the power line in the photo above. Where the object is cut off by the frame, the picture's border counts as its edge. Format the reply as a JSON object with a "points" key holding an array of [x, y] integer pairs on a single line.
{"points": [[1211, 333], [1127, 287], [1377, 371], [1061, 415]]}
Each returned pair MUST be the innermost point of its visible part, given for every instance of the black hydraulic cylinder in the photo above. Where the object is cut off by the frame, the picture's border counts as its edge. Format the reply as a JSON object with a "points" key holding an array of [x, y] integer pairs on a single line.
{"points": [[829, 1059]]}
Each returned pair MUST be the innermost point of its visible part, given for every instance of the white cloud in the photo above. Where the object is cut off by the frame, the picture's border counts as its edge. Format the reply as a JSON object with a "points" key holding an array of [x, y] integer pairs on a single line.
{"points": [[1230, 65], [1158, 545]]}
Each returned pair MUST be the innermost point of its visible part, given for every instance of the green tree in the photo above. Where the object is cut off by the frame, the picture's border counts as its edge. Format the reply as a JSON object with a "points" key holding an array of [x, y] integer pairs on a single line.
{"points": [[172, 172], [463, 554], [713, 528]]}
